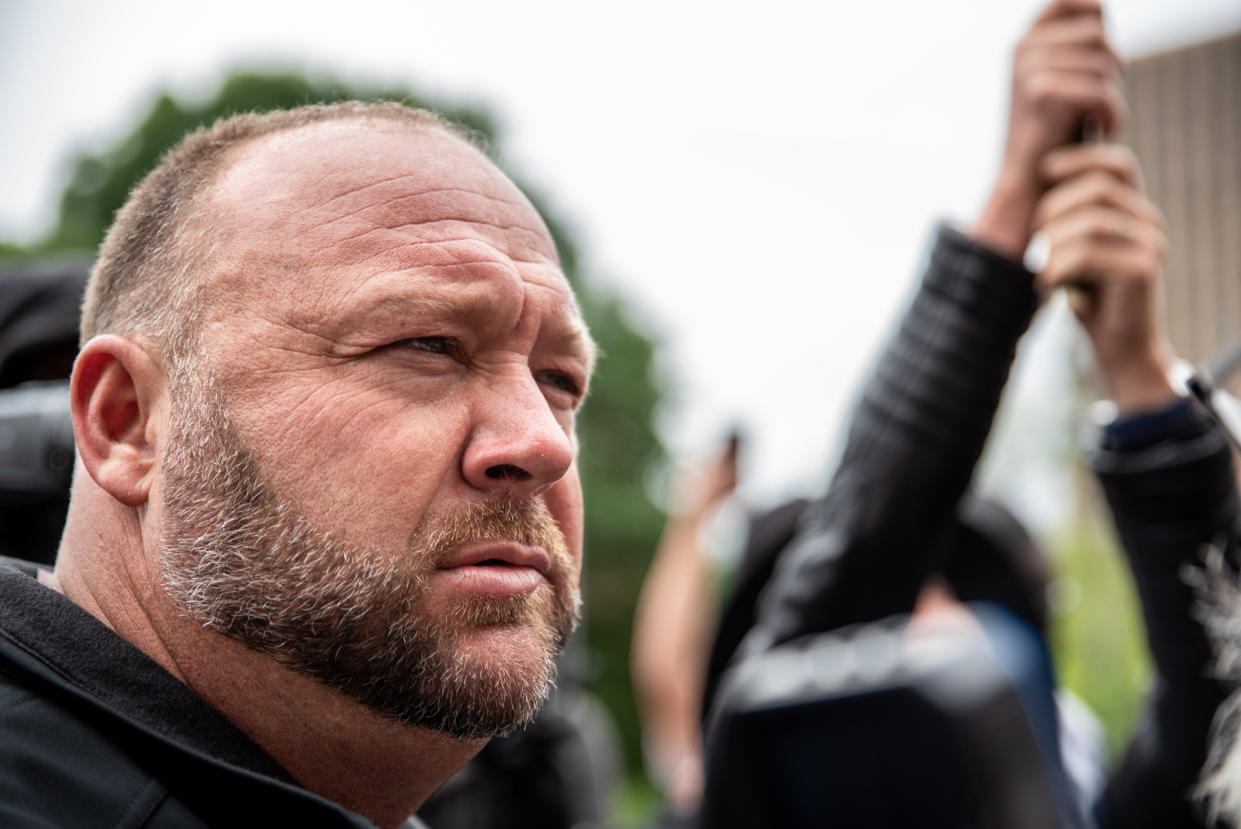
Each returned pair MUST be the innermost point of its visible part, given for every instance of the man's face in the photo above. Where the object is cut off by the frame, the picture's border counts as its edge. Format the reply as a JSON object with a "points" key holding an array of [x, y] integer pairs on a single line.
{"points": [[370, 473]]}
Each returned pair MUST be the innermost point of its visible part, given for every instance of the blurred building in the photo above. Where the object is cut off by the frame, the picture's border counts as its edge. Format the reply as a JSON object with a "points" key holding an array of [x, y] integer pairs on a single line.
{"points": [[1185, 125]]}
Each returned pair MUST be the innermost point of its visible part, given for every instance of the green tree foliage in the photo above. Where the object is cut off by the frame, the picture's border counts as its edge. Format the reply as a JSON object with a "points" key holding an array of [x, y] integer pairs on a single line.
{"points": [[1097, 635], [619, 445]]}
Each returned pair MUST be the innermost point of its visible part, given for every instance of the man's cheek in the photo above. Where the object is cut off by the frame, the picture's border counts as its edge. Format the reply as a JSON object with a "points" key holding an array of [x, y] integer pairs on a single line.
{"points": [[564, 500]]}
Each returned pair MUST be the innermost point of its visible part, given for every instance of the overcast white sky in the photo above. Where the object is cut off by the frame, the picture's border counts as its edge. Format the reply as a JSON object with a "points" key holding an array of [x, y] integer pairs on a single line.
{"points": [[759, 180]]}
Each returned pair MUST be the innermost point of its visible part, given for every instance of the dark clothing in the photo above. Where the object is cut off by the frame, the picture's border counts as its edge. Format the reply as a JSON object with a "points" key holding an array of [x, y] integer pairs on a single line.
{"points": [[1170, 498], [40, 306], [767, 535], [95, 733], [39, 310], [555, 772], [918, 430], [913, 444]]}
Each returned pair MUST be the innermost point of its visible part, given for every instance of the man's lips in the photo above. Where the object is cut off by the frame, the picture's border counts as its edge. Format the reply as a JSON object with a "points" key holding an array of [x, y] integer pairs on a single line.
{"points": [[497, 567], [499, 552]]}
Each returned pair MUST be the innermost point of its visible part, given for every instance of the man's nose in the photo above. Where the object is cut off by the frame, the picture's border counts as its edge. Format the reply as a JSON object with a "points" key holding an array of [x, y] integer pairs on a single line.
{"points": [[517, 445]]}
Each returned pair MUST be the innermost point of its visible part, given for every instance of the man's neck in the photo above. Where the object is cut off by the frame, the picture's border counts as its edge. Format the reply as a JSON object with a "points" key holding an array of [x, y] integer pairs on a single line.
{"points": [[329, 743]]}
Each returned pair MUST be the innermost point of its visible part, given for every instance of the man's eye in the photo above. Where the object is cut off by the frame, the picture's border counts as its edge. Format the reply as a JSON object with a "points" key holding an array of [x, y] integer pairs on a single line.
{"points": [[560, 381], [435, 345]]}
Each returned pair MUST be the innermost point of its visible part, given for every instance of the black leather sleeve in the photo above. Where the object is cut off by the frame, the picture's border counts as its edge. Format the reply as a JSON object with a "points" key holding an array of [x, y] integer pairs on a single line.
{"points": [[1169, 501], [862, 552]]}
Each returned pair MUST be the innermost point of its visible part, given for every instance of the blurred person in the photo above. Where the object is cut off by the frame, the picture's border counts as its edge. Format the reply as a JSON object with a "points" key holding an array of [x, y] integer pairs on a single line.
{"points": [[1219, 584], [1165, 469], [924, 415], [324, 536], [983, 554], [39, 309], [672, 626]]}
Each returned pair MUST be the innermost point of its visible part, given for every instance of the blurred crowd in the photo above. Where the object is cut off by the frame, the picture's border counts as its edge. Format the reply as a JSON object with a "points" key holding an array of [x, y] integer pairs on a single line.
{"points": [[881, 657]]}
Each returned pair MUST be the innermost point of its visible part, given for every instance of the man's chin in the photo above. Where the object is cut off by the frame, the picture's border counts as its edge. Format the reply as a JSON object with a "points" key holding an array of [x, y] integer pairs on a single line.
{"points": [[474, 669], [509, 651], [489, 681]]}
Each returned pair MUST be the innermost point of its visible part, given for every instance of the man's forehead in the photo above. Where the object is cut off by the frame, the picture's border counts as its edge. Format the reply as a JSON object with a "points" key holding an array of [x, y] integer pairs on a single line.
{"points": [[359, 175], [331, 196]]}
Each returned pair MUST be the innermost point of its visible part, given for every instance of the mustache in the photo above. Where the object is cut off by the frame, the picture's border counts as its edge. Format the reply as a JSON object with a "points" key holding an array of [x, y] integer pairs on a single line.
{"points": [[526, 521]]}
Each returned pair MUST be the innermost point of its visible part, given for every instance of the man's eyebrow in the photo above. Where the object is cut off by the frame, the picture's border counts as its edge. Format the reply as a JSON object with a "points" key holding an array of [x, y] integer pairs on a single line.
{"points": [[415, 300], [423, 301]]}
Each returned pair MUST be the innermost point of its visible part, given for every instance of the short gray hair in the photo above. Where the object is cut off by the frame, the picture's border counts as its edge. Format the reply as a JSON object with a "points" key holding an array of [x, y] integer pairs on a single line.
{"points": [[147, 274]]}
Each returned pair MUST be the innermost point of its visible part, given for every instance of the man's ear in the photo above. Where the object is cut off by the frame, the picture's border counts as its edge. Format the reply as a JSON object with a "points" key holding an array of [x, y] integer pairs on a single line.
{"points": [[118, 395]]}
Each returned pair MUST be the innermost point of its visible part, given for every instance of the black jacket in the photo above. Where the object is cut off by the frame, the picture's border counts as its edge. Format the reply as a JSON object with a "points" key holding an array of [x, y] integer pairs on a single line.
{"points": [[95, 733], [1172, 493], [915, 437]]}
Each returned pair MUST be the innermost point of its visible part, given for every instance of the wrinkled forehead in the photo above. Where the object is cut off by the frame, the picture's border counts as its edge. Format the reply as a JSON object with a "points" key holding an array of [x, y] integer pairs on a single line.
{"points": [[313, 219], [339, 180]]}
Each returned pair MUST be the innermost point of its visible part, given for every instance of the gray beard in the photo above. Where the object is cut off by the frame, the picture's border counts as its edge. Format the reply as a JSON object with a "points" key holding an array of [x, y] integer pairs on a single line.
{"points": [[243, 561]]}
